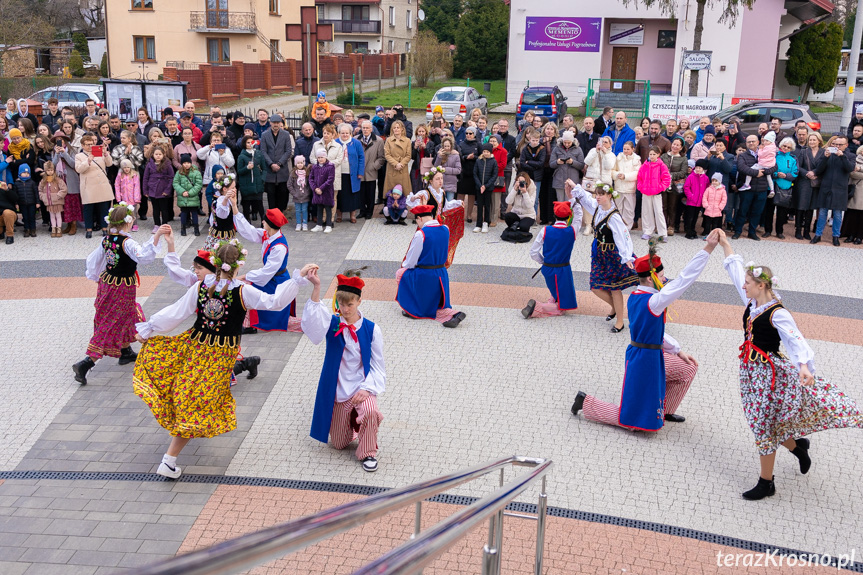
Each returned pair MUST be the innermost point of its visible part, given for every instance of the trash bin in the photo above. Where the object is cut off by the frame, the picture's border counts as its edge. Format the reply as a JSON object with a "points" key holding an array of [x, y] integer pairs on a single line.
{"points": [[486, 86]]}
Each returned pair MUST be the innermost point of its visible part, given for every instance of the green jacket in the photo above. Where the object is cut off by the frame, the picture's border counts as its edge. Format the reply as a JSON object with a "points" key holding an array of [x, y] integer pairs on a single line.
{"points": [[191, 183], [251, 182]]}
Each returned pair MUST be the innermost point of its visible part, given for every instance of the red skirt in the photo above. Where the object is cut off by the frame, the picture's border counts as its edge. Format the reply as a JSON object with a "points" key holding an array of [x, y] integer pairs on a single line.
{"points": [[114, 324], [453, 218], [72, 209]]}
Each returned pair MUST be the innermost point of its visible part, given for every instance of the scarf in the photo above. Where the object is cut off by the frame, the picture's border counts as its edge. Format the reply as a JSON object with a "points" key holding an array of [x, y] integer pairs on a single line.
{"points": [[17, 149], [301, 178]]}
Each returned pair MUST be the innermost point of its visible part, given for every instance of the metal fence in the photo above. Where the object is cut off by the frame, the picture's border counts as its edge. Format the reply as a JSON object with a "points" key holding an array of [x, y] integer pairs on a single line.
{"points": [[630, 96]]}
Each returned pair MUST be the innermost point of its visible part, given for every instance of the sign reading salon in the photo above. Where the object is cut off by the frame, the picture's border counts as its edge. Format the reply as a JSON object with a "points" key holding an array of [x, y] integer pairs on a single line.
{"points": [[551, 34]]}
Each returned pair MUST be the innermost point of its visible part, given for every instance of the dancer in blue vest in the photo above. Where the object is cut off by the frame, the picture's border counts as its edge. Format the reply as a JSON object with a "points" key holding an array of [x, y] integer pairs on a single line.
{"points": [[423, 289], [346, 406], [552, 248], [274, 248], [645, 403]]}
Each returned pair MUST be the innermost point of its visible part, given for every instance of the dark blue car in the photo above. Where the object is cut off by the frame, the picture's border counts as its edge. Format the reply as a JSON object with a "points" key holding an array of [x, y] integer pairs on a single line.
{"points": [[545, 101]]}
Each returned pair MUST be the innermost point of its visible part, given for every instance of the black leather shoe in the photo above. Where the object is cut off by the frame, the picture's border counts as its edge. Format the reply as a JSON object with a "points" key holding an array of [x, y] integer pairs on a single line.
{"points": [[617, 329], [849, 240], [456, 319], [528, 309], [780, 236], [127, 356], [754, 237], [798, 236], [674, 417], [251, 364], [735, 237], [815, 240], [610, 316], [764, 488], [578, 403], [88, 235], [857, 242], [81, 368], [10, 240], [250, 330], [835, 241], [801, 452]]}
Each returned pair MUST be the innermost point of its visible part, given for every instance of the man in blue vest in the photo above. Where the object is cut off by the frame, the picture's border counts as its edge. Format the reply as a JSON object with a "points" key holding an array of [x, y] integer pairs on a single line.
{"points": [[353, 375], [653, 358], [423, 290]]}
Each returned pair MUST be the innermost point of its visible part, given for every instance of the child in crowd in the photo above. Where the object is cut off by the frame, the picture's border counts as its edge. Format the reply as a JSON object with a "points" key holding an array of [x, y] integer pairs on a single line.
{"points": [[187, 184], [157, 185], [321, 179], [766, 159], [52, 193], [694, 187], [28, 199], [396, 206], [251, 170], [128, 186], [298, 186], [653, 179], [714, 200], [321, 102], [484, 176]]}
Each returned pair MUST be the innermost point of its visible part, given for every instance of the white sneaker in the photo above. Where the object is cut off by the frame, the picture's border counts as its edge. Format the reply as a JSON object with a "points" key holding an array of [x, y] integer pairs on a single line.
{"points": [[328, 229], [370, 464], [305, 227], [484, 228], [477, 230], [317, 228], [299, 227], [170, 472]]}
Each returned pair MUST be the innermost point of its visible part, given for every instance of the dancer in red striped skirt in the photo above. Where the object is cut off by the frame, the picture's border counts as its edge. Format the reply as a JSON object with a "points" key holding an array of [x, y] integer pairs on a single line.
{"points": [[353, 375]]}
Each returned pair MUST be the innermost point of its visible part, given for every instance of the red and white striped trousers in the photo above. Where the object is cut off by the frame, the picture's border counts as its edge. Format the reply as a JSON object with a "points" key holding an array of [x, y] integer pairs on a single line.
{"points": [[678, 378], [352, 421]]}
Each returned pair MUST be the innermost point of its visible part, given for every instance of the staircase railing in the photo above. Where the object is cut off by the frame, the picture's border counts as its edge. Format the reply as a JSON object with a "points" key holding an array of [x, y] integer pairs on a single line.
{"points": [[253, 549]]}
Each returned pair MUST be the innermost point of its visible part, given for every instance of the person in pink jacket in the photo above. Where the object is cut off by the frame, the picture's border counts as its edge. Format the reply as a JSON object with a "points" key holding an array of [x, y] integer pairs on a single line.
{"points": [[694, 187], [713, 202], [128, 187], [653, 179]]}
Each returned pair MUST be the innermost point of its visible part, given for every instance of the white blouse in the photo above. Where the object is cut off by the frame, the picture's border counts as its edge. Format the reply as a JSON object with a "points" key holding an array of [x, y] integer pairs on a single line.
{"points": [[781, 319], [253, 298], [177, 273], [143, 255], [316, 322], [622, 239], [263, 275], [415, 199]]}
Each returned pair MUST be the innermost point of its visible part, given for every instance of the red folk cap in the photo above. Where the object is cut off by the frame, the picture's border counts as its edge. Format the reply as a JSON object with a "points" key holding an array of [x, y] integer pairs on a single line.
{"points": [[562, 210], [425, 210], [275, 218], [642, 265], [352, 284], [203, 259]]}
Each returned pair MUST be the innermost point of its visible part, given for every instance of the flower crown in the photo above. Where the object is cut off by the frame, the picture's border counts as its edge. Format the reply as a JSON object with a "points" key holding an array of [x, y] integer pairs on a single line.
{"points": [[217, 261], [758, 273], [128, 219], [224, 182], [427, 177], [606, 189]]}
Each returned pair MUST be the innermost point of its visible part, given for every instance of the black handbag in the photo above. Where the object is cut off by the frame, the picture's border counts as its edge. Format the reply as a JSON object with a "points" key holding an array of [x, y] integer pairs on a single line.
{"points": [[781, 197], [500, 182]]}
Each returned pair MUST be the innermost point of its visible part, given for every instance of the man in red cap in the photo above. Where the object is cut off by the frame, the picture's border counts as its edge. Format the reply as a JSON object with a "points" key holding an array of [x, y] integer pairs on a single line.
{"points": [[657, 373], [423, 281], [274, 248], [353, 374], [552, 248]]}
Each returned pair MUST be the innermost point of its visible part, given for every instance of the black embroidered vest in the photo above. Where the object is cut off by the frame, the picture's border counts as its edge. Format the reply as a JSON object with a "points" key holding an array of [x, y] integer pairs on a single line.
{"points": [[220, 318], [120, 268], [760, 331]]}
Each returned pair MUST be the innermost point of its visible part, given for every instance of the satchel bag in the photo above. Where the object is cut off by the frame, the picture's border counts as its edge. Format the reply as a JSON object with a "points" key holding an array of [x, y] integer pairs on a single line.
{"points": [[426, 164], [782, 197], [500, 182]]}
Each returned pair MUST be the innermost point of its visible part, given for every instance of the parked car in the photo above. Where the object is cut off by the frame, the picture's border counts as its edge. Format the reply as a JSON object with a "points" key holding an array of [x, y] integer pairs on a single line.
{"points": [[546, 101], [457, 100], [755, 112], [73, 95]]}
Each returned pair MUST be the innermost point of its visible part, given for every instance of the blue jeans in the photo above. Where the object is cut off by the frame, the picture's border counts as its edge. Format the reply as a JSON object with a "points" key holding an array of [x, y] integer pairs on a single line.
{"points": [[822, 221], [302, 212], [395, 213], [731, 206], [751, 207], [28, 211]]}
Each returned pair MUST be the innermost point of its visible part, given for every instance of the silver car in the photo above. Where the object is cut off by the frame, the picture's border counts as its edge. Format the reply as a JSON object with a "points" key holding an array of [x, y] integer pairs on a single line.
{"points": [[72, 95], [457, 100]]}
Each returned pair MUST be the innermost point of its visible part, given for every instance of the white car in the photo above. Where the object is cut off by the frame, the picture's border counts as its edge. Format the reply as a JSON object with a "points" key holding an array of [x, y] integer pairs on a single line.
{"points": [[457, 100], [72, 95]]}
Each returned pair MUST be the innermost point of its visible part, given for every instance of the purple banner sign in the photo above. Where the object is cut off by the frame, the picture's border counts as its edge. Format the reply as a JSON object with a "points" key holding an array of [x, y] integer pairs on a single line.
{"points": [[562, 34]]}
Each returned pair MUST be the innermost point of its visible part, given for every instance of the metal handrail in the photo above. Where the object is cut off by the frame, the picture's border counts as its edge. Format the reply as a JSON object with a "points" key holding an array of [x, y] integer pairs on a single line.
{"points": [[253, 549]]}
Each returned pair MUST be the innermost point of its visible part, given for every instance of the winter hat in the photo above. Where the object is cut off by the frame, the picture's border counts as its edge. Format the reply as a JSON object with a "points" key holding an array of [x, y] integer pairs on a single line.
{"points": [[470, 130], [709, 129], [380, 108], [299, 158], [717, 177], [437, 109], [487, 147], [322, 95], [185, 158], [15, 132], [703, 164], [321, 152], [24, 169], [397, 190], [770, 137], [567, 137], [858, 109], [126, 162]]}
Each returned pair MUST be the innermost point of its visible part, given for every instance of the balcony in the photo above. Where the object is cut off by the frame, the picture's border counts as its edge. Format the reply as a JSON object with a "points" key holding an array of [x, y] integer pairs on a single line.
{"points": [[354, 26], [223, 22]]}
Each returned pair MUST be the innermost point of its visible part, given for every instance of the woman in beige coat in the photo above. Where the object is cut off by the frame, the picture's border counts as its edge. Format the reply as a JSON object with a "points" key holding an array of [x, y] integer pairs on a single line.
{"points": [[397, 150], [624, 175], [96, 191]]}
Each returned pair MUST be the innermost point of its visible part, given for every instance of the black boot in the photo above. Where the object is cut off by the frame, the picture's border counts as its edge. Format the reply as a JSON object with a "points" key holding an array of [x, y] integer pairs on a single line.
{"points": [[250, 330], [578, 403], [81, 368], [251, 365], [197, 231], [127, 356], [765, 488], [183, 231], [455, 320], [801, 452], [528, 309]]}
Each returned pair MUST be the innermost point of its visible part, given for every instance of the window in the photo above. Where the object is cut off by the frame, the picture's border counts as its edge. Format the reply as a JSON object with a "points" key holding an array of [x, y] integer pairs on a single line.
{"points": [[274, 7], [407, 47], [786, 114], [408, 20], [142, 4], [392, 16], [356, 47], [145, 48], [322, 13], [355, 12], [218, 51], [390, 46], [754, 116], [274, 50]]}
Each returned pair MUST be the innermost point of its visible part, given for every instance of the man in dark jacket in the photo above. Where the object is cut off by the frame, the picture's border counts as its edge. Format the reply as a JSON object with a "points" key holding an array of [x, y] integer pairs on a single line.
{"points": [[834, 171], [276, 149], [752, 201], [653, 137], [605, 120], [52, 117], [305, 142], [398, 113], [319, 121], [589, 136]]}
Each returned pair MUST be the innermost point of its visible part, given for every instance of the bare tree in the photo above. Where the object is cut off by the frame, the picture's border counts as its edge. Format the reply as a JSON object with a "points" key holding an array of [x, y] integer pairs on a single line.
{"points": [[428, 58], [730, 11], [63, 15], [20, 24], [93, 12]]}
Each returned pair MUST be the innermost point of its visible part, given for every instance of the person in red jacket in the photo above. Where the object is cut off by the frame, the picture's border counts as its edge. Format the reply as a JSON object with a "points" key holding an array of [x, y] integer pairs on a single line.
{"points": [[500, 156]]}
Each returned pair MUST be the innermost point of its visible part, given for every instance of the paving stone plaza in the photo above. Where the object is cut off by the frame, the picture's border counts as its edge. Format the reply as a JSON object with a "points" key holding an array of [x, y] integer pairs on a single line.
{"points": [[78, 492]]}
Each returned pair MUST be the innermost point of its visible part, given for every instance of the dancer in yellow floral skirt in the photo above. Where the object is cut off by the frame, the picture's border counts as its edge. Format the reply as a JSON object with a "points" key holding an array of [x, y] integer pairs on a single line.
{"points": [[186, 379]]}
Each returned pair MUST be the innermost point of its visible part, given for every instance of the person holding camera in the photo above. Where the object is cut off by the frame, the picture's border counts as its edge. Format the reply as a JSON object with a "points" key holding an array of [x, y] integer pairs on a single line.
{"points": [[521, 215]]}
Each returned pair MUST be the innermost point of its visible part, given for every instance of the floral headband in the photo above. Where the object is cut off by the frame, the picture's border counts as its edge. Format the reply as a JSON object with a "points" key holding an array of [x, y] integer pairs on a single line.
{"points": [[128, 219], [224, 182], [606, 189], [758, 273], [217, 261], [427, 177]]}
